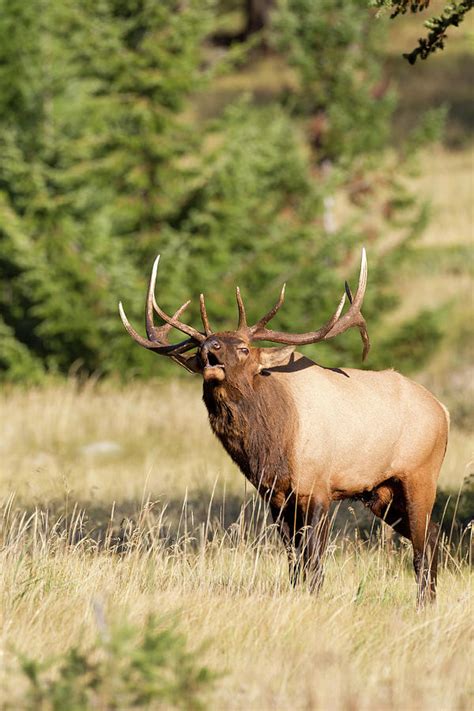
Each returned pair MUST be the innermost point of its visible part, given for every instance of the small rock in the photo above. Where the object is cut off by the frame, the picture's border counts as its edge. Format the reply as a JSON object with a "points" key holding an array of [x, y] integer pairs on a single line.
{"points": [[101, 449]]}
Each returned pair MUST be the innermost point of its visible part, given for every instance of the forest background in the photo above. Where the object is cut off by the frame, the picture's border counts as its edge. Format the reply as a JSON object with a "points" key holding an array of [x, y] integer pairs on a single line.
{"points": [[250, 155], [129, 128]]}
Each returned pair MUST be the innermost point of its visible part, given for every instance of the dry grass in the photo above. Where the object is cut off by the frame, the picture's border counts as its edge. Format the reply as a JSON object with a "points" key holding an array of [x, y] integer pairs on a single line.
{"points": [[448, 182], [157, 442], [360, 645], [160, 432]]}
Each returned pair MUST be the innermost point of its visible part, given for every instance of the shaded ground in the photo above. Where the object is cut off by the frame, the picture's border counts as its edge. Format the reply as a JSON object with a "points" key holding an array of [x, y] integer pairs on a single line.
{"points": [[446, 81], [198, 518]]}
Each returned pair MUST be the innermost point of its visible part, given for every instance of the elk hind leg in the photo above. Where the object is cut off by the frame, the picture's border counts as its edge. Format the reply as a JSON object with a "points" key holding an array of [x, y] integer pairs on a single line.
{"points": [[388, 503], [424, 535], [408, 510]]}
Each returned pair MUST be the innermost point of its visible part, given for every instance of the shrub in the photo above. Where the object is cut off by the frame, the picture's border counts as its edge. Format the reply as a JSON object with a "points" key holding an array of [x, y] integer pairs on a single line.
{"points": [[129, 668]]}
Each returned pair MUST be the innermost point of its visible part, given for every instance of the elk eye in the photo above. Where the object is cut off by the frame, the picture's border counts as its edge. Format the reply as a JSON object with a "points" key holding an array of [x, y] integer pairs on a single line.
{"points": [[244, 350]]}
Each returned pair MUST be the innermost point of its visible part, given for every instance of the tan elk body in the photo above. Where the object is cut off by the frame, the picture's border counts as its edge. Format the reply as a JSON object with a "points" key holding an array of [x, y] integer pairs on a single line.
{"points": [[306, 435], [357, 428]]}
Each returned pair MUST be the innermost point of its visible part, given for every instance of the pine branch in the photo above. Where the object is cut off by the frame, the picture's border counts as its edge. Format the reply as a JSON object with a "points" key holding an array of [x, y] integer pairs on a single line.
{"points": [[452, 15]]}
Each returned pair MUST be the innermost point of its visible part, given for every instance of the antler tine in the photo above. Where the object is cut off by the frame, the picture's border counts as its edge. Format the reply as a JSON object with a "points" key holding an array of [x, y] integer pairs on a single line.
{"points": [[242, 325], [149, 322], [161, 332], [268, 316], [179, 325], [353, 317], [365, 340], [170, 320], [157, 336], [301, 339], [204, 318], [332, 328], [159, 346]]}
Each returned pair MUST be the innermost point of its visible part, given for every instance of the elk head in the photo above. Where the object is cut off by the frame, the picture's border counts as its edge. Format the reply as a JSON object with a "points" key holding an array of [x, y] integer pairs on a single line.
{"points": [[228, 356]]}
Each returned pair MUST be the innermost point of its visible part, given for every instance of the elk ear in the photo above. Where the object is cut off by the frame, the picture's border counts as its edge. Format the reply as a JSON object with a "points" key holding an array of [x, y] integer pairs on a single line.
{"points": [[272, 357]]}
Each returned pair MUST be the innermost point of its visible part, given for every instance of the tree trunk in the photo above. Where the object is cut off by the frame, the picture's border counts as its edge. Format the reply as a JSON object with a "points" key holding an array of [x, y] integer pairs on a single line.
{"points": [[257, 15]]}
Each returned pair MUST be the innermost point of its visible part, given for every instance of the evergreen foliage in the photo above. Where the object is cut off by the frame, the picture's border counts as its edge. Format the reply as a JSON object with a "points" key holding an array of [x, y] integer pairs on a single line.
{"points": [[92, 137], [128, 668], [104, 165], [451, 16], [335, 48]]}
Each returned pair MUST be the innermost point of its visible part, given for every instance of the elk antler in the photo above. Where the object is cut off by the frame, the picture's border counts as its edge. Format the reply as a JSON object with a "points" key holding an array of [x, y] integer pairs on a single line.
{"points": [[335, 326], [204, 319], [171, 320], [157, 337]]}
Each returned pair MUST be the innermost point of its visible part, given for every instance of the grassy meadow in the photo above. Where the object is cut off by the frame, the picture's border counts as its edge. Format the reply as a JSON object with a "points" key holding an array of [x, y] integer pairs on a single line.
{"points": [[120, 499]]}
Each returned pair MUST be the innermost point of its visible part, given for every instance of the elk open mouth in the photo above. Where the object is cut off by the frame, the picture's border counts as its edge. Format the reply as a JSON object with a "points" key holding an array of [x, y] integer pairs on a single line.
{"points": [[213, 360]]}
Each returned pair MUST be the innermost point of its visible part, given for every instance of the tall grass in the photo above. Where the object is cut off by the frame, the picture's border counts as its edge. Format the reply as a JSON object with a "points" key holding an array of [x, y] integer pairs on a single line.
{"points": [[110, 503], [359, 645], [100, 443]]}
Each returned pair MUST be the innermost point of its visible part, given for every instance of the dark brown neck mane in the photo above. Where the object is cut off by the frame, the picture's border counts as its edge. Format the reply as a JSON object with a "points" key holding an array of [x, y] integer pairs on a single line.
{"points": [[248, 421]]}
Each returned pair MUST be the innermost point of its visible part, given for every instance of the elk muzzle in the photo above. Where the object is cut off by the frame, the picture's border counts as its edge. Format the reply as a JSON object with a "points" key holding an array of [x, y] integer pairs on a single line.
{"points": [[213, 369]]}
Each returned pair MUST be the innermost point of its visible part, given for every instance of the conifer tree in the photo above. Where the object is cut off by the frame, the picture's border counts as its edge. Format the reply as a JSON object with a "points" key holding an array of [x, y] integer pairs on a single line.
{"points": [[104, 166], [92, 140]]}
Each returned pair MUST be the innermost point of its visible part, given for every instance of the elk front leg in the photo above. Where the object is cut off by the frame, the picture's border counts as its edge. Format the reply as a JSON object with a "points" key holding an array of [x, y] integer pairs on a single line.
{"points": [[316, 538], [285, 519]]}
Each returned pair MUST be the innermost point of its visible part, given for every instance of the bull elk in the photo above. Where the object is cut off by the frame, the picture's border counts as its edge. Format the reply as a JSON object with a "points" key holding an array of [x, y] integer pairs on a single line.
{"points": [[306, 435]]}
